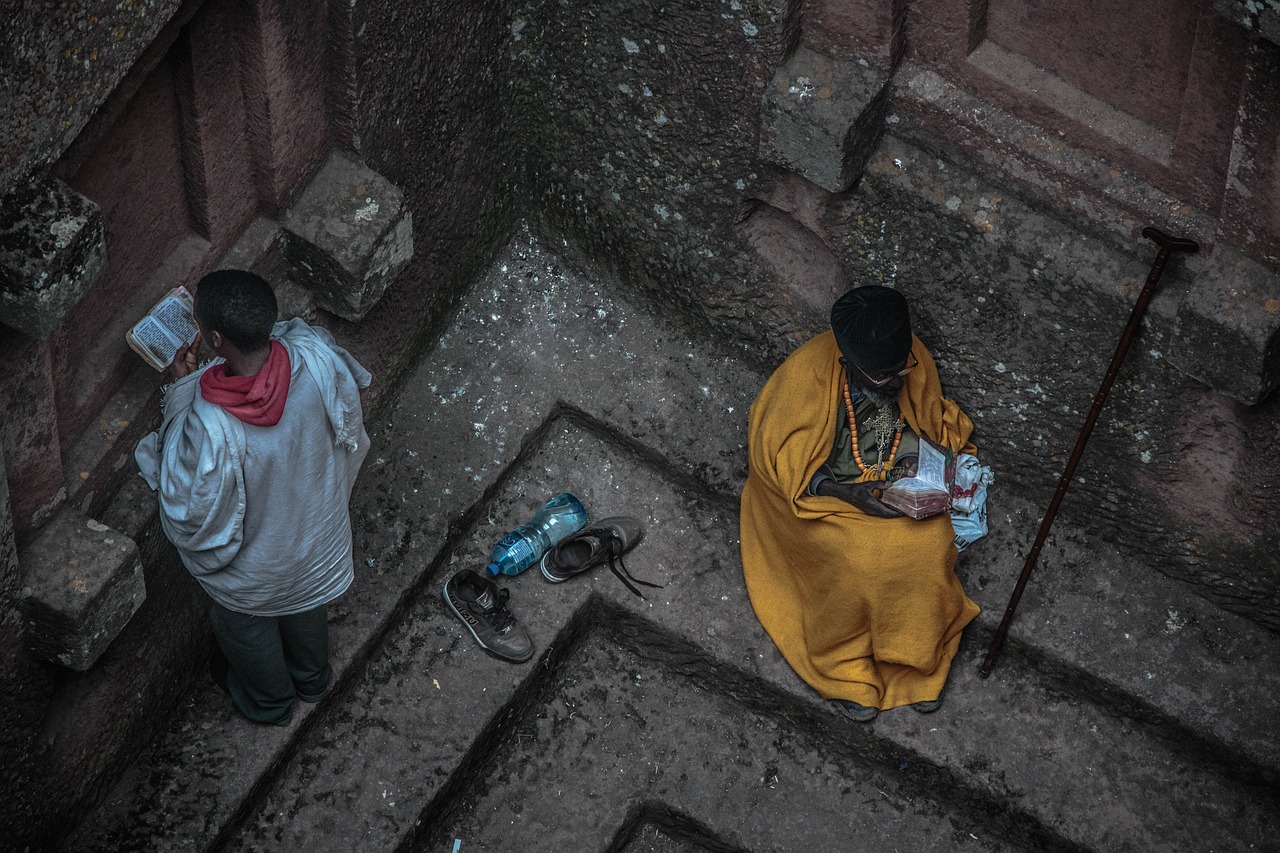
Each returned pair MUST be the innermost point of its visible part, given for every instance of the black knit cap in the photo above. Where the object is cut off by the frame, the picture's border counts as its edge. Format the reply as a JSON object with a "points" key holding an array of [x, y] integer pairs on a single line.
{"points": [[872, 327]]}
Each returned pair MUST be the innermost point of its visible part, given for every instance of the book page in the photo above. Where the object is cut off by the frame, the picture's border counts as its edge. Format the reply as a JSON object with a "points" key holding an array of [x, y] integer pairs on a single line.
{"points": [[165, 328], [928, 492], [932, 467], [175, 316], [153, 336]]}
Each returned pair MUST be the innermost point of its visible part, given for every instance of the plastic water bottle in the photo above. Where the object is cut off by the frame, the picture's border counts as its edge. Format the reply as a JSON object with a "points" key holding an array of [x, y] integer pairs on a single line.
{"points": [[524, 546]]}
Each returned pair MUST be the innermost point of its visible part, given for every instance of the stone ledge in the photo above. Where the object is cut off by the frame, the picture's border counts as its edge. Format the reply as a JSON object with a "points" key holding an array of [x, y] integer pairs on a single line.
{"points": [[347, 236], [1227, 332], [52, 249], [81, 584], [822, 117]]}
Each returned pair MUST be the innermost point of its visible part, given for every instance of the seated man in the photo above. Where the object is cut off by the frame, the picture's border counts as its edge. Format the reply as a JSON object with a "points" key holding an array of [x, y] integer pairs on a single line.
{"points": [[862, 602], [254, 462]]}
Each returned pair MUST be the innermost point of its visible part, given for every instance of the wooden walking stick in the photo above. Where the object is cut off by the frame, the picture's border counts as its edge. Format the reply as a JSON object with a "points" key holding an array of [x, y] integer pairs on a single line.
{"points": [[1168, 245]]}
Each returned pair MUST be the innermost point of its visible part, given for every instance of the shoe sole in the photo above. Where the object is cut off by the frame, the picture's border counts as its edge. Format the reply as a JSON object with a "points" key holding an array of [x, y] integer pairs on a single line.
{"points": [[467, 623]]}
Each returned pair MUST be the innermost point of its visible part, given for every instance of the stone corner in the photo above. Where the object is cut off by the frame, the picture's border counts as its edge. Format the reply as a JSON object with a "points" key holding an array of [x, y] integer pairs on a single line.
{"points": [[347, 236], [52, 249], [81, 583], [822, 116]]}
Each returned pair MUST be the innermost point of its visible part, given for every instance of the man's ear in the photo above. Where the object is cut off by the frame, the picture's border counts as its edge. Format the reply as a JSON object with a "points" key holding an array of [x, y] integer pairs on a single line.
{"points": [[216, 340]]}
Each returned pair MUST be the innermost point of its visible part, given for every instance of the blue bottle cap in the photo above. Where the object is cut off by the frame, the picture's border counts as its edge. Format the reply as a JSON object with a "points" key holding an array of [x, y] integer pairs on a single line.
{"points": [[494, 569]]}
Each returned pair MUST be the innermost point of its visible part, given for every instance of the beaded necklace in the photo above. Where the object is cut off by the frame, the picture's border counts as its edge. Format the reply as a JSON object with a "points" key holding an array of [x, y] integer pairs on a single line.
{"points": [[883, 429]]}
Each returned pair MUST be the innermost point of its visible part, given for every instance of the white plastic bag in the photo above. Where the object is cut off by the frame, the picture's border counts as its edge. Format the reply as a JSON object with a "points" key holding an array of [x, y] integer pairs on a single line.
{"points": [[969, 500]]}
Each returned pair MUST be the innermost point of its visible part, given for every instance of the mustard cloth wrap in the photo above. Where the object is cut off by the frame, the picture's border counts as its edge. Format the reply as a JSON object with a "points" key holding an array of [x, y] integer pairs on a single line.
{"points": [[863, 608]]}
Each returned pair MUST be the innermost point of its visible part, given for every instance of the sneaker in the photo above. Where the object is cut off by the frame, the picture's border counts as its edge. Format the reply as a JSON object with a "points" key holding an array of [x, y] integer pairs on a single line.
{"points": [[927, 707], [482, 607], [605, 541], [854, 711]]}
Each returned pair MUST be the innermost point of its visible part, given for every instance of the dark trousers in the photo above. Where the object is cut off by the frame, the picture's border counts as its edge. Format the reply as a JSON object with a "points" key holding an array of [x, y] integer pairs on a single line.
{"points": [[272, 659]]}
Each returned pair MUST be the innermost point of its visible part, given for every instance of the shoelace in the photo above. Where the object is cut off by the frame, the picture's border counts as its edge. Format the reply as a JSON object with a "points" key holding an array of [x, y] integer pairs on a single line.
{"points": [[614, 545], [499, 615]]}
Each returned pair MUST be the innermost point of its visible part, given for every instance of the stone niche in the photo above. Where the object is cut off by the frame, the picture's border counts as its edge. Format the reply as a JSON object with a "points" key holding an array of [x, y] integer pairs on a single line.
{"points": [[347, 236], [81, 583], [51, 251]]}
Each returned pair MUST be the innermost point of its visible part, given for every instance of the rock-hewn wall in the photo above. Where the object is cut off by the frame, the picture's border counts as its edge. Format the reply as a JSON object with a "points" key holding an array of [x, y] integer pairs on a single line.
{"points": [[640, 124], [629, 136], [413, 90]]}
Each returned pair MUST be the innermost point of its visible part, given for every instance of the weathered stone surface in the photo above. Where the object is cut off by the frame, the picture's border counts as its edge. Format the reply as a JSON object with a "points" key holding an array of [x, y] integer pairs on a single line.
{"points": [[805, 265], [1228, 328], [82, 582], [822, 116], [59, 61], [52, 249], [347, 236], [1119, 684], [29, 432], [1261, 16], [935, 112]]}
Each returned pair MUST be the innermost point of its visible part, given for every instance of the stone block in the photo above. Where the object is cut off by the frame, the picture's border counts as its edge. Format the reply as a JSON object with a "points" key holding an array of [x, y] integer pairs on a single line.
{"points": [[1227, 333], [81, 584], [51, 251], [347, 236], [822, 116]]}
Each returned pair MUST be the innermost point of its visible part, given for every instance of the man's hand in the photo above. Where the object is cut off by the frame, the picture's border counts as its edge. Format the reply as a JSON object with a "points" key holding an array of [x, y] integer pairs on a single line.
{"points": [[186, 360], [907, 467], [861, 495]]}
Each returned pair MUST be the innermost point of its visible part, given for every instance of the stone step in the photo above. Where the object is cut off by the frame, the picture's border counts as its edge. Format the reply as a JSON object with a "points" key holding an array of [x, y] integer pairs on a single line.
{"points": [[1012, 761], [547, 382]]}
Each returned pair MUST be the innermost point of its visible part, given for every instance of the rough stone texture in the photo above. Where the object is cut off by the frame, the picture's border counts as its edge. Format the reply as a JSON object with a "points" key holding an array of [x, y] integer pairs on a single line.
{"points": [[1128, 713], [58, 47], [74, 733], [453, 104], [29, 432], [421, 71], [1108, 200], [641, 128], [873, 28], [1251, 215], [81, 584], [1228, 328], [219, 175], [428, 113], [52, 250], [347, 236], [821, 117], [1262, 17], [284, 86]]}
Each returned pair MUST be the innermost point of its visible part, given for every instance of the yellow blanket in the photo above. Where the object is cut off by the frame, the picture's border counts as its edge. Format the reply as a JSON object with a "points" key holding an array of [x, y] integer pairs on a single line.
{"points": [[866, 609]]}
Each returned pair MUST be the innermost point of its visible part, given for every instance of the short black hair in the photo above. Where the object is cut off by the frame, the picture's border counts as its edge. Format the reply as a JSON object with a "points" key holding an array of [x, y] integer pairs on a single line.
{"points": [[239, 305]]}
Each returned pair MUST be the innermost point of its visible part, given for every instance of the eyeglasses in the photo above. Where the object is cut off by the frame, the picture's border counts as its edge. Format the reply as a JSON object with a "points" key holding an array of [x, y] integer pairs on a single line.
{"points": [[880, 383]]}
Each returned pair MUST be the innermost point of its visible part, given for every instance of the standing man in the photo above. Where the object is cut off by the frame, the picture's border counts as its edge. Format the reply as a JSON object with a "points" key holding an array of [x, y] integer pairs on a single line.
{"points": [[254, 462], [861, 601]]}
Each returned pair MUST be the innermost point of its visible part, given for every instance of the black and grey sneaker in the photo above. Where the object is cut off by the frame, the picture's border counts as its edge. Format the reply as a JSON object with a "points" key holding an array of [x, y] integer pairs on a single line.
{"points": [[482, 607], [605, 541]]}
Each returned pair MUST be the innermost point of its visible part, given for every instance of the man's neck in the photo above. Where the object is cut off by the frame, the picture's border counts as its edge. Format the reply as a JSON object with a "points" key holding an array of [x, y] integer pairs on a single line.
{"points": [[246, 364]]}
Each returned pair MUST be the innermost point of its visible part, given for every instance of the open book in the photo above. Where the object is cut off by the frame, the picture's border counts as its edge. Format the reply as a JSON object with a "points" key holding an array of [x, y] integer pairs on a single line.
{"points": [[929, 491], [169, 325]]}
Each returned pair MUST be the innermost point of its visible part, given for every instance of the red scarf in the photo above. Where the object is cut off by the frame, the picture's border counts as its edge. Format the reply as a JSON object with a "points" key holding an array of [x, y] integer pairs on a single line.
{"points": [[258, 399]]}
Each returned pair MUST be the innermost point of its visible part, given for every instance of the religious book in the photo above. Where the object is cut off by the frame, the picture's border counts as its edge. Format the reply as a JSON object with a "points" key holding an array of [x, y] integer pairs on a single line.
{"points": [[168, 326], [928, 493]]}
